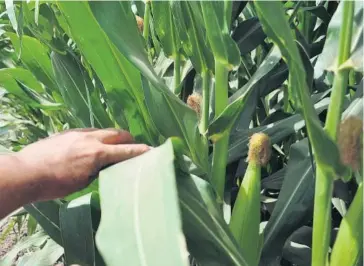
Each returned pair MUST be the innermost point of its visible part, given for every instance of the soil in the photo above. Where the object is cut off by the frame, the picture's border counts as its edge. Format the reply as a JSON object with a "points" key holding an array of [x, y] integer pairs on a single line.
{"points": [[12, 238]]}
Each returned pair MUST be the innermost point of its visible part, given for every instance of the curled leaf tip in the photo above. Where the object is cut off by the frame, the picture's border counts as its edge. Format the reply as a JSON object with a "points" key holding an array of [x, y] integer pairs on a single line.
{"points": [[140, 23], [259, 149], [350, 141], [194, 101]]}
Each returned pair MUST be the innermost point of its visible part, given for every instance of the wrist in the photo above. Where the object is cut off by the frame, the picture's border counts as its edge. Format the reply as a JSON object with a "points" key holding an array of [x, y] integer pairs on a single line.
{"points": [[32, 178]]}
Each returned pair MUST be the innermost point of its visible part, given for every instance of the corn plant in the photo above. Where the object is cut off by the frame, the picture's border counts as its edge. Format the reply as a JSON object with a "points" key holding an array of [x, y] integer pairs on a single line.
{"points": [[254, 110]]}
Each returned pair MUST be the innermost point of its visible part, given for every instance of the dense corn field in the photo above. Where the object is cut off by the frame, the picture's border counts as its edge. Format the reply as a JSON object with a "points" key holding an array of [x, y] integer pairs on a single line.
{"points": [[254, 110]]}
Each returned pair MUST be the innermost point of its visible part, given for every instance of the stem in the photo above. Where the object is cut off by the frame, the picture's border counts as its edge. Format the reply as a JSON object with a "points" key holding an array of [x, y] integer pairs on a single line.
{"points": [[322, 217], [177, 73], [146, 21], [324, 180], [219, 158], [228, 4], [206, 102], [341, 79], [294, 13]]}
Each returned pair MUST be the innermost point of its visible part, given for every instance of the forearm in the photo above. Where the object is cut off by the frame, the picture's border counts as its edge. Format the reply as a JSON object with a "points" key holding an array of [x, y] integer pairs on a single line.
{"points": [[18, 186]]}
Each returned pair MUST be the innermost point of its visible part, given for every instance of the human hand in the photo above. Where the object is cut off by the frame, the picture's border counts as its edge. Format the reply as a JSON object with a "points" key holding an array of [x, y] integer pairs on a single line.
{"points": [[66, 162]]}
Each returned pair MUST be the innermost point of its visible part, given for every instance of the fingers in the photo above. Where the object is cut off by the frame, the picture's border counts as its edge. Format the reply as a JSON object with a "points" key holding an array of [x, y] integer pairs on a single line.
{"points": [[117, 153], [112, 136]]}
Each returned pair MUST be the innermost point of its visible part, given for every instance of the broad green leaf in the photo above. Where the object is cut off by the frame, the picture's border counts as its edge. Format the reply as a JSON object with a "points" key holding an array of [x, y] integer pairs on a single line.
{"points": [[223, 123], [140, 220], [276, 131], [348, 247], [108, 67], [118, 22], [291, 207], [35, 57], [297, 249], [10, 10], [295, 201], [93, 187], [173, 118], [192, 34], [276, 27], [165, 28], [31, 225], [182, 122], [36, 240], [78, 93], [47, 215], [23, 85], [209, 239], [327, 60], [45, 30], [24, 76], [248, 35], [217, 26], [319, 11], [47, 255], [116, 17], [77, 231]]}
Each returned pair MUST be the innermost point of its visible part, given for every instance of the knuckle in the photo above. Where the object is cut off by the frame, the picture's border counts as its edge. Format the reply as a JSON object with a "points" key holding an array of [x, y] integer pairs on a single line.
{"points": [[98, 152], [128, 151]]}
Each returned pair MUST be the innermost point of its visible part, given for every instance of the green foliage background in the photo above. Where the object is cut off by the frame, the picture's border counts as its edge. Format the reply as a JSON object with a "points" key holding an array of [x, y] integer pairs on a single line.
{"points": [[259, 67]]}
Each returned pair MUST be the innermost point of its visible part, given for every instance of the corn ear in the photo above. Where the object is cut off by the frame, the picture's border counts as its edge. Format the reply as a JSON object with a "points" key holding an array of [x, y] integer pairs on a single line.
{"points": [[245, 218]]}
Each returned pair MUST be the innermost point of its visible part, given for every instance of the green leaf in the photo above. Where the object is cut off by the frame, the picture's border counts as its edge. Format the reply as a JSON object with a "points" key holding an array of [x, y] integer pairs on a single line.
{"points": [[24, 76], [328, 59], [348, 247], [76, 222], [165, 28], [48, 255], [35, 57], [47, 215], [217, 26], [118, 14], [297, 249], [276, 131], [117, 20], [191, 31], [145, 200], [47, 28], [10, 10], [276, 27], [36, 240], [248, 35], [209, 239], [31, 225], [23, 85], [173, 118], [223, 123], [295, 201], [120, 83], [78, 93], [117, 17], [93, 187]]}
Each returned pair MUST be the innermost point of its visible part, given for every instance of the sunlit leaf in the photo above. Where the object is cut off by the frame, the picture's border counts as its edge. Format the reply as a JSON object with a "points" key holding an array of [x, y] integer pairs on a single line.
{"points": [[145, 198]]}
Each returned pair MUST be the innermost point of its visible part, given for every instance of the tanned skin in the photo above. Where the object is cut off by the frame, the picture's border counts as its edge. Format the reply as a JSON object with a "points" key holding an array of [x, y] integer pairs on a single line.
{"points": [[61, 164]]}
